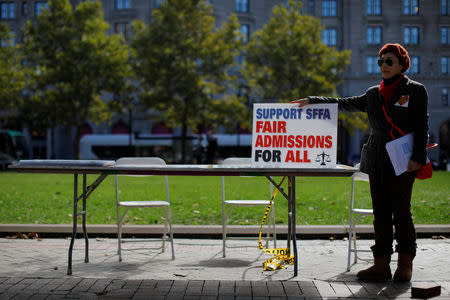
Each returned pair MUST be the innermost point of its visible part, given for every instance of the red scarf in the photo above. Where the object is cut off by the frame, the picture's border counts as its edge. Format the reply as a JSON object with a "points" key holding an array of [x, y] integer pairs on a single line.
{"points": [[387, 87]]}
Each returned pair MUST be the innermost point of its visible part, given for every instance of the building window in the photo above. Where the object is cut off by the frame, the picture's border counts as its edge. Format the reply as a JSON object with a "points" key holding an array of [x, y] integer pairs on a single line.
{"points": [[311, 7], [329, 37], [373, 7], [7, 10], [329, 8], [415, 65], [24, 8], [157, 3], [122, 4], [445, 65], [445, 37], [444, 96], [445, 7], [241, 6], [123, 29], [374, 35], [411, 7], [39, 6], [245, 32], [411, 35], [372, 65]]}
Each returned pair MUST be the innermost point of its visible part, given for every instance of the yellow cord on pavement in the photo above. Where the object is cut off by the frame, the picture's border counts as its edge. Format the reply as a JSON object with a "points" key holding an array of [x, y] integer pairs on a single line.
{"points": [[282, 256]]}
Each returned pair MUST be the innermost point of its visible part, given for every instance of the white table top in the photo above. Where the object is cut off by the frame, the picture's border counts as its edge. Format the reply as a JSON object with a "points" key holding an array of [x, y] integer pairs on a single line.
{"points": [[109, 167]]}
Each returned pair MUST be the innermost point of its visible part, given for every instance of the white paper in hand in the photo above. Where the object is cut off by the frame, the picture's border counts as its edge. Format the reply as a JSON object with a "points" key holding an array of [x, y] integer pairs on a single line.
{"points": [[400, 151]]}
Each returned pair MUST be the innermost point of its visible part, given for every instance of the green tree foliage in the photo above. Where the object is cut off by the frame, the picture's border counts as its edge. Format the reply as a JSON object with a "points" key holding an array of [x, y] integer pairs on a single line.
{"points": [[184, 64], [12, 75], [75, 62], [287, 59]]}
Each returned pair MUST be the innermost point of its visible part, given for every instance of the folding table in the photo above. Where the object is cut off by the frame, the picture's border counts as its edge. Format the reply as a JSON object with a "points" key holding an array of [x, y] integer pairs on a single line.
{"points": [[104, 168]]}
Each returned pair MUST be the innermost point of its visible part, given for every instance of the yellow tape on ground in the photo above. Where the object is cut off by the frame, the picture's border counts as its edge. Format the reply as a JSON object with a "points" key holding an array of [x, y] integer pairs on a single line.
{"points": [[282, 256]]}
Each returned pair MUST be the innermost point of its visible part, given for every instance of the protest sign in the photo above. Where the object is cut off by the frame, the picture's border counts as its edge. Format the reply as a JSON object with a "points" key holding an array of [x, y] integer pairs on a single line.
{"points": [[287, 136]]}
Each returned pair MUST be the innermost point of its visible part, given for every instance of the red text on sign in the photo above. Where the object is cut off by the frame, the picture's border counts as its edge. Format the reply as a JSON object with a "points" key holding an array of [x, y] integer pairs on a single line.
{"points": [[297, 156], [294, 141], [271, 126]]}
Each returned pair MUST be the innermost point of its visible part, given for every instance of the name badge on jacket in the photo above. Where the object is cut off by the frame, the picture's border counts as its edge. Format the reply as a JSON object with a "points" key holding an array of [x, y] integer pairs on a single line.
{"points": [[403, 101]]}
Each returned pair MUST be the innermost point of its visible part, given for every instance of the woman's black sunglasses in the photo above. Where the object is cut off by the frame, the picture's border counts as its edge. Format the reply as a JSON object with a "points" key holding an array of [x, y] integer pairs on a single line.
{"points": [[388, 61]]}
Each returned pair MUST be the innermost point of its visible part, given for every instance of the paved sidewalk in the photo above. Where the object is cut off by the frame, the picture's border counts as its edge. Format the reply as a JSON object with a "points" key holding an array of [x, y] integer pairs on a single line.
{"points": [[34, 269]]}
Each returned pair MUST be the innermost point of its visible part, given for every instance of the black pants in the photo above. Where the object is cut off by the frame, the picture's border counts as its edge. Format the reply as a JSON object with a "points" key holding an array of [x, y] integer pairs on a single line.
{"points": [[391, 201]]}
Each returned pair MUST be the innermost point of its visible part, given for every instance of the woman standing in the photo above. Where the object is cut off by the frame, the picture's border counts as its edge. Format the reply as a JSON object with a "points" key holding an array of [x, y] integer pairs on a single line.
{"points": [[397, 106]]}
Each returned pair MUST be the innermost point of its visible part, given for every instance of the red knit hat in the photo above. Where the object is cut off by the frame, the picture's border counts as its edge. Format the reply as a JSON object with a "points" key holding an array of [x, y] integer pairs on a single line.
{"points": [[400, 52]]}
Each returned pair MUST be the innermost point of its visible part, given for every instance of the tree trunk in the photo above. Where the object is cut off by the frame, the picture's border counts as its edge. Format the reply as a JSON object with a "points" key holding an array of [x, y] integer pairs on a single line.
{"points": [[52, 143], [183, 142], [184, 132], [77, 141]]}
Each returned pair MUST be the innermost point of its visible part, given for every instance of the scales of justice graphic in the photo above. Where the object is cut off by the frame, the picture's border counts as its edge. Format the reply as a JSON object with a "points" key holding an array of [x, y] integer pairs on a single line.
{"points": [[323, 157]]}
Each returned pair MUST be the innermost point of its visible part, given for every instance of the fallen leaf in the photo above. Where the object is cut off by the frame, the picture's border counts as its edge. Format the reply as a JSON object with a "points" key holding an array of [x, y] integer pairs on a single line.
{"points": [[20, 235]]}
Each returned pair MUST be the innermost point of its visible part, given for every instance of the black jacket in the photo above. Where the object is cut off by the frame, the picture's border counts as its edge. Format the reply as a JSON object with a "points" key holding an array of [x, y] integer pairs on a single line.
{"points": [[412, 117]]}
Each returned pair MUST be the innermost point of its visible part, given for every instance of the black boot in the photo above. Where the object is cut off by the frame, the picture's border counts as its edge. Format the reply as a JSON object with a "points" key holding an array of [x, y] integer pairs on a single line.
{"points": [[404, 267], [381, 270]]}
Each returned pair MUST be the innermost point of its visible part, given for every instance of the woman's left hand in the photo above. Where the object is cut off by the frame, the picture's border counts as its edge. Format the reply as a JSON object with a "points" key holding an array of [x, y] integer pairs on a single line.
{"points": [[413, 166], [300, 102]]}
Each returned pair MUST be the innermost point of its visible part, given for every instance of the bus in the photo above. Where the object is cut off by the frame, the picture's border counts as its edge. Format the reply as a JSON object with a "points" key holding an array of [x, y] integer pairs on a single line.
{"points": [[166, 146]]}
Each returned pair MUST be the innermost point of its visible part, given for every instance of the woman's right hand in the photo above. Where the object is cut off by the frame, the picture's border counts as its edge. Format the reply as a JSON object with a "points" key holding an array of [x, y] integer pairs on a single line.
{"points": [[300, 102]]}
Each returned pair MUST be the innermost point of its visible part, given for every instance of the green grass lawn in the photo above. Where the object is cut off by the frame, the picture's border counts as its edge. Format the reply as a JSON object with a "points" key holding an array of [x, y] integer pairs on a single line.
{"points": [[47, 199]]}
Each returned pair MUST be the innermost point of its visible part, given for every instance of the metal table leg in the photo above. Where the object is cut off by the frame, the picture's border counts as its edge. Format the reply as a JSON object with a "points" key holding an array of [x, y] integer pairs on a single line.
{"points": [[87, 190], [86, 239], [74, 216], [291, 236], [293, 221]]}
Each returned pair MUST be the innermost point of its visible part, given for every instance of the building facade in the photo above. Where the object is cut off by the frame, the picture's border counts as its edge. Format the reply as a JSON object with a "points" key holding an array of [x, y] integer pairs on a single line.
{"points": [[362, 26]]}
